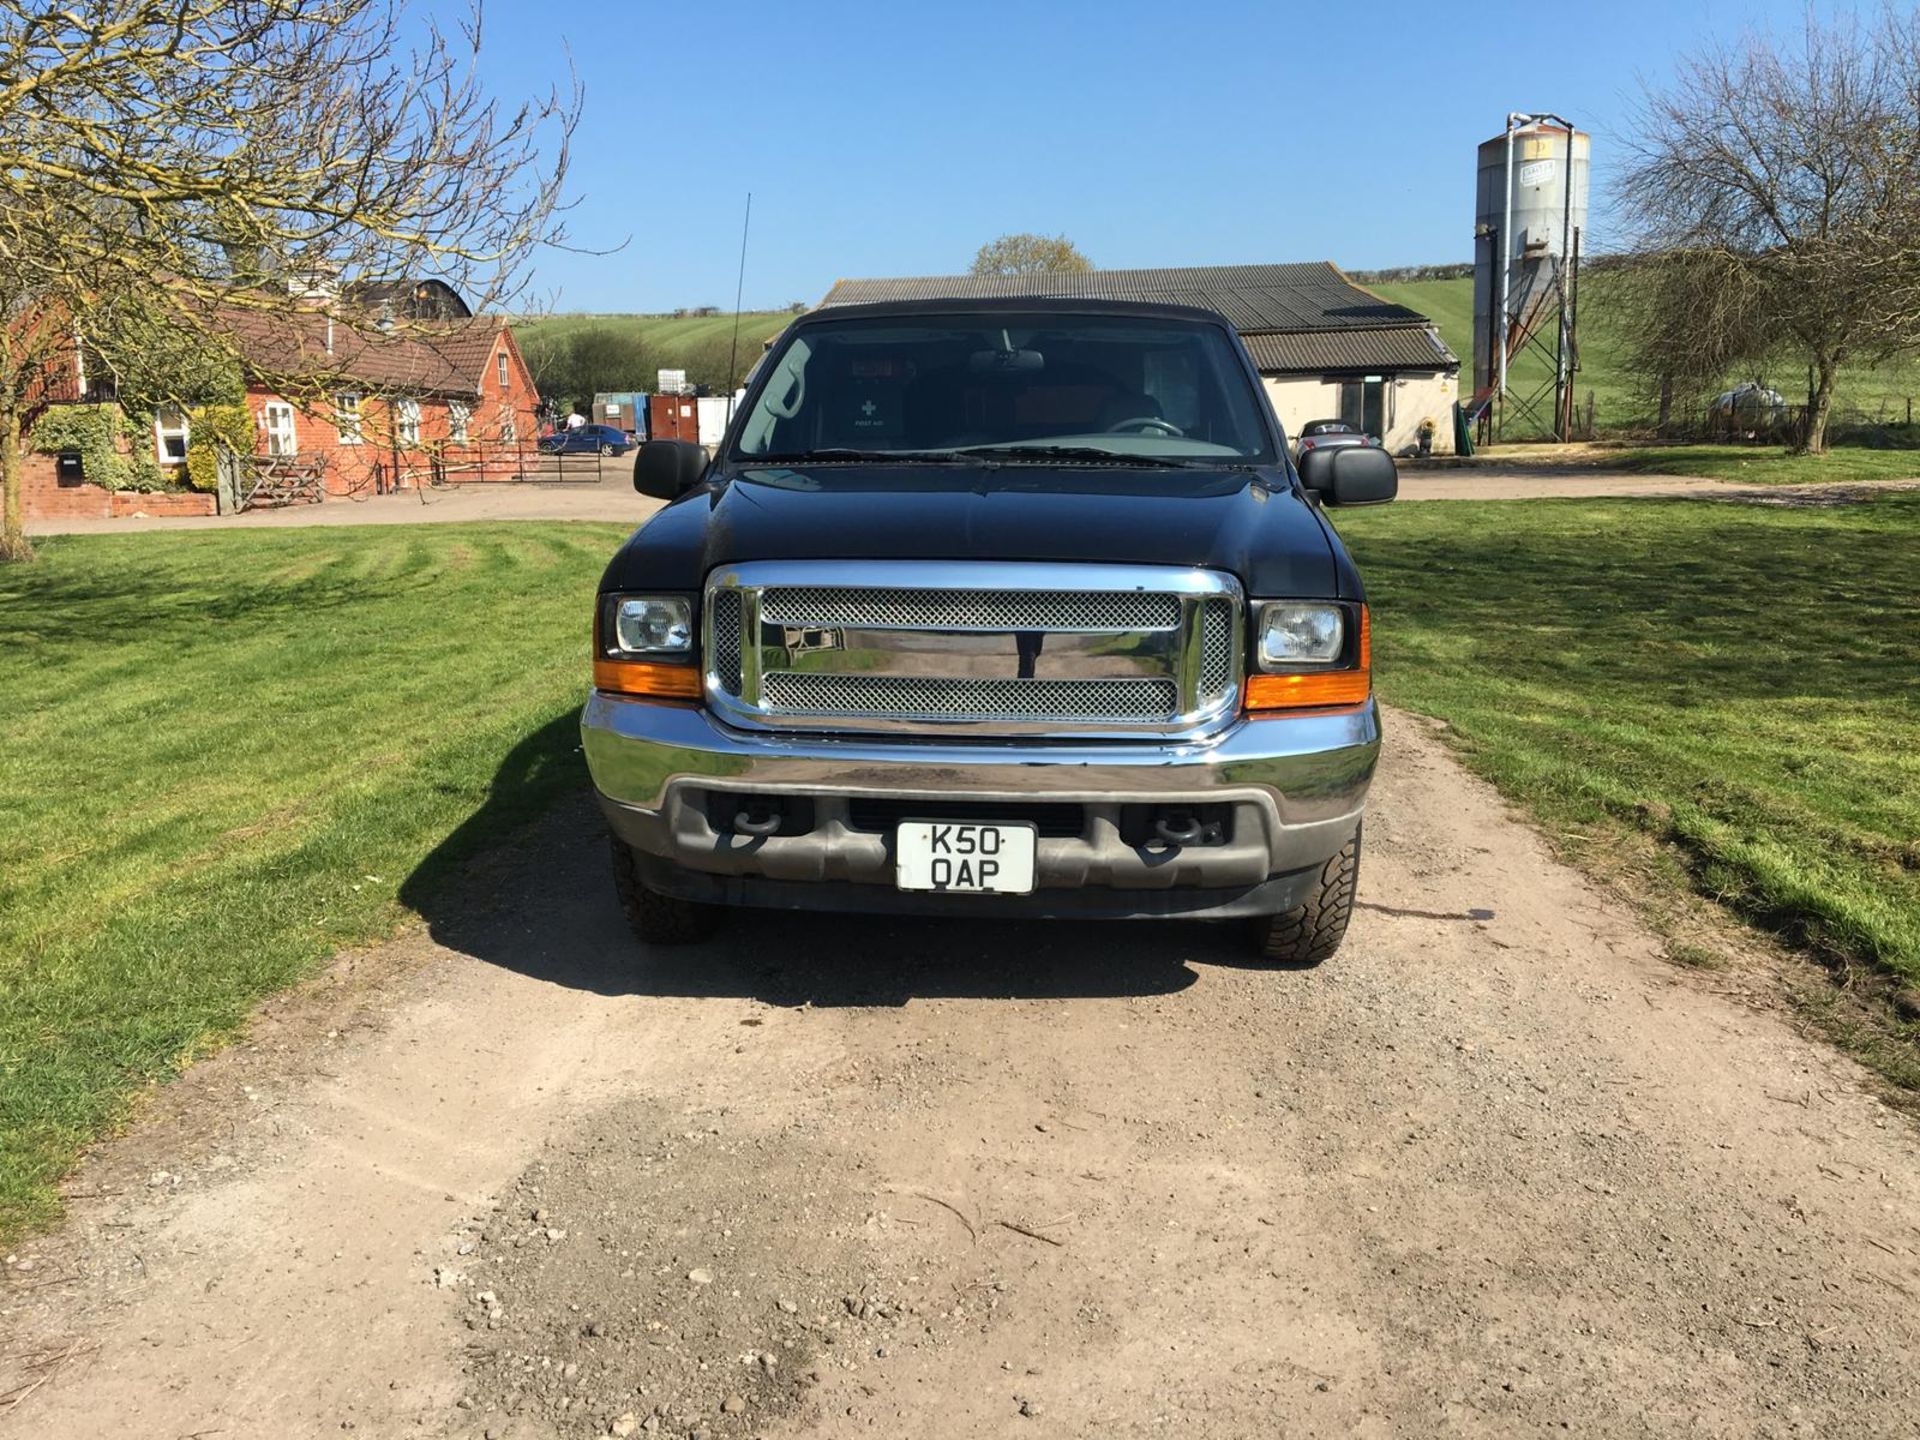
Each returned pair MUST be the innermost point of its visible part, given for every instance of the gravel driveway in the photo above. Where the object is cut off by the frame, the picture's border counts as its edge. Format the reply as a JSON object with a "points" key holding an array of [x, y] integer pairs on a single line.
{"points": [[1497, 1168]]}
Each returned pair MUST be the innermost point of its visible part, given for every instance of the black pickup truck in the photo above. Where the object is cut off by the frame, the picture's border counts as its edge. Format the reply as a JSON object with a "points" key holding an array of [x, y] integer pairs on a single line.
{"points": [[1009, 607]]}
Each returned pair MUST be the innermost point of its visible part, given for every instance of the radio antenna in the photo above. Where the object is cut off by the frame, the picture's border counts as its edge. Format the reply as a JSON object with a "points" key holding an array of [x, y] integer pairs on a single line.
{"points": [[739, 288]]}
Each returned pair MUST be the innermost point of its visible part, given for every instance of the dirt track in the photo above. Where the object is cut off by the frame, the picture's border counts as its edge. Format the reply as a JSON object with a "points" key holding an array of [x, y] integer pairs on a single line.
{"points": [[1498, 1168]]}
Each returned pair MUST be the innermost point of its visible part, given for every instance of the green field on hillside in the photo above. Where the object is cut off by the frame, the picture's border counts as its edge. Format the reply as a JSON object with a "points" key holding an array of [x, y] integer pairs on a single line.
{"points": [[675, 338], [1871, 394]]}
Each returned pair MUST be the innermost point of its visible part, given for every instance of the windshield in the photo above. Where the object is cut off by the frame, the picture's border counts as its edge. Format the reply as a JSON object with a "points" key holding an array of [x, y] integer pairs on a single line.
{"points": [[1011, 387]]}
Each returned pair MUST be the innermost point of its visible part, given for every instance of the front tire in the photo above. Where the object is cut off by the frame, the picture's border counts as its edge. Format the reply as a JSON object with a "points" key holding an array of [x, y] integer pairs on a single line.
{"points": [[1302, 937], [658, 919]]}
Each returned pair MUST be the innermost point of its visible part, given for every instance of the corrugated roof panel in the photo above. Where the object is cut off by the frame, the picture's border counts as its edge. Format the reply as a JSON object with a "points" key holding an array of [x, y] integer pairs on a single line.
{"points": [[1400, 347], [1314, 296]]}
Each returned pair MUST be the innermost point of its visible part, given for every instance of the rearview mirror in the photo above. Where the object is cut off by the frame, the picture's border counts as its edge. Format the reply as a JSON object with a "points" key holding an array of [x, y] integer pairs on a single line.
{"points": [[991, 362], [1350, 474], [667, 469]]}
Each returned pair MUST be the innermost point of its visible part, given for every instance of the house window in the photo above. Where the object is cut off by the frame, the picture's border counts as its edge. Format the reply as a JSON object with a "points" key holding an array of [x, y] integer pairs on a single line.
{"points": [[500, 366], [280, 433], [346, 415], [509, 432], [169, 436], [457, 417], [406, 421]]}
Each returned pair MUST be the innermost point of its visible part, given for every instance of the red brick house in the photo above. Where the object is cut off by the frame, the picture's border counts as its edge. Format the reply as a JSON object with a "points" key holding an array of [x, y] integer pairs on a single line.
{"points": [[383, 409], [369, 407]]}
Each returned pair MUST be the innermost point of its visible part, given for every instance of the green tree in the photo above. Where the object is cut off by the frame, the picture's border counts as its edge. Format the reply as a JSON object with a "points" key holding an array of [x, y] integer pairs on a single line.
{"points": [[719, 365], [1026, 254], [571, 368]]}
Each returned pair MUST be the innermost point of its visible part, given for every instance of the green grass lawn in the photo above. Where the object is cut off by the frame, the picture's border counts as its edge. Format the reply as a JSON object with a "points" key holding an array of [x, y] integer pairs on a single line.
{"points": [[1769, 465], [1740, 680], [223, 755], [1879, 393]]}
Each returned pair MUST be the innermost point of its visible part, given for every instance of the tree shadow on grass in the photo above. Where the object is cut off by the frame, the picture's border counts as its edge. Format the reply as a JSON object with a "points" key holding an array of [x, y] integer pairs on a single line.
{"points": [[1708, 606], [525, 883]]}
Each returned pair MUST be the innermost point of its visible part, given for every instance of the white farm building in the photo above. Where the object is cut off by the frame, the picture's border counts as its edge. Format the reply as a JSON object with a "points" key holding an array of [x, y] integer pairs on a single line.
{"points": [[1326, 348]]}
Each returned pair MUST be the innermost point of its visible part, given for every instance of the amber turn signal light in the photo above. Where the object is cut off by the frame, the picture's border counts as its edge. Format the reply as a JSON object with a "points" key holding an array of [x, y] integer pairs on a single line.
{"points": [[1317, 689], [647, 677], [1308, 692]]}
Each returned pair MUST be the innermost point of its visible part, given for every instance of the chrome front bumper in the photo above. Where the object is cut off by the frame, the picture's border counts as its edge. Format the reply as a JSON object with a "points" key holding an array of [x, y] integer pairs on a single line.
{"points": [[1295, 786]]}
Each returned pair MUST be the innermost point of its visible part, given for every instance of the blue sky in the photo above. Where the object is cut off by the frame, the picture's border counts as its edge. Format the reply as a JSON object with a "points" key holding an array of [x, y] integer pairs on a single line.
{"points": [[893, 139]]}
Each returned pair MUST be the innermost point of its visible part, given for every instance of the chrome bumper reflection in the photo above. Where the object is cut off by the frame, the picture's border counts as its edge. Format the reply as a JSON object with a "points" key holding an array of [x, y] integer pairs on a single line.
{"points": [[1300, 781]]}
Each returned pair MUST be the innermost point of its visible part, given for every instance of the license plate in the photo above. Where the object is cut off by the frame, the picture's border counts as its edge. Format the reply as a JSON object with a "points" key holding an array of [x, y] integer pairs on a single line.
{"points": [[963, 856]]}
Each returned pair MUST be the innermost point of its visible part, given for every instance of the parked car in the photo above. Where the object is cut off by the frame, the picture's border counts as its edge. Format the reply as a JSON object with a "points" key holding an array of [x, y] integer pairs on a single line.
{"points": [[1008, 607], [1329, 434], [586, 439]]}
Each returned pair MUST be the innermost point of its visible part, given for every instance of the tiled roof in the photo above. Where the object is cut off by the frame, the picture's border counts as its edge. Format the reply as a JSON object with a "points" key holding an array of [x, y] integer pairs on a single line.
{"points": [[1400, 347], [1312, 296], [411, 357]]}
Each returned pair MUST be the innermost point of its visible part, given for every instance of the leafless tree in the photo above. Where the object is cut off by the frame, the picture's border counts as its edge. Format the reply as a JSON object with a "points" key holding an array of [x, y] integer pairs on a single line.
{"points": [[1691, 318], [190, 160], [1780, 184]]}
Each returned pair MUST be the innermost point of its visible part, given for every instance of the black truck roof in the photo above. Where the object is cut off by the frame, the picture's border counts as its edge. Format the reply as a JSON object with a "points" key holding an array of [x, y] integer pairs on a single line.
{"points": [[1014, 305]]}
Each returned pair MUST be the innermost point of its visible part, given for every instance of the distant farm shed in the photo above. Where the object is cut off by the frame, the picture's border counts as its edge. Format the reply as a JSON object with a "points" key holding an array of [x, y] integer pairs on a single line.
{"points": [[1325, 348]]}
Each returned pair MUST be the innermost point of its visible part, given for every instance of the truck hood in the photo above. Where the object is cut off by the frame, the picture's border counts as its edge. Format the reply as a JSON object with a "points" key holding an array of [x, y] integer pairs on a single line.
{"points": [[1248, 523]]}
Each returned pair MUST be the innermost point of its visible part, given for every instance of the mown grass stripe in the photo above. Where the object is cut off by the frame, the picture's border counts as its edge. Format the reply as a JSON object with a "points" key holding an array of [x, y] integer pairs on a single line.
{"points": [[213, 740], [1741, 680]]}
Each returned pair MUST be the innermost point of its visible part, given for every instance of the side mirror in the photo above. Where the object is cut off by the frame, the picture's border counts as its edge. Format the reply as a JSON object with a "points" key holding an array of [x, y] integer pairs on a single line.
{"points": [[667, 469], [1350, 475]]}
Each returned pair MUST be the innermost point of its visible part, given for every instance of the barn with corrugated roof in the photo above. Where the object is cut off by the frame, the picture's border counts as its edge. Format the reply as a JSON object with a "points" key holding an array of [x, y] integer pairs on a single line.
{"points": [[1326, 348]]}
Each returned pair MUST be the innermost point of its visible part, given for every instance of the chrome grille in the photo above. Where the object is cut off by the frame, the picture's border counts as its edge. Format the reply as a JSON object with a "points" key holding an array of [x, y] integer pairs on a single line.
{"points": [[724, 651], [936, 697], [1216, 648], [1090, 611], [998, 647]]}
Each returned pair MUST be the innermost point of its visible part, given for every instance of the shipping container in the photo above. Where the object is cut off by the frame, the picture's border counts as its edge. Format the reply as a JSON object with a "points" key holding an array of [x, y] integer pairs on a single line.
{"points": [[672, 417], [715, 412], [623, 410]]}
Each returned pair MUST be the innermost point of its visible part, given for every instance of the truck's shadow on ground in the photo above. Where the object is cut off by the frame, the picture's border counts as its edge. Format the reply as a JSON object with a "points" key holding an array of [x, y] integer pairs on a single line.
{"points": [[539, 900]]}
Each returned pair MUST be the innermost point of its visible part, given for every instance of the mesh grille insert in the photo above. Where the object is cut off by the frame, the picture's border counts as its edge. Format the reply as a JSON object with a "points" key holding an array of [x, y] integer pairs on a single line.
{"points": [[1216, 649], [726, 639], [917, 696], [1080, 610]]}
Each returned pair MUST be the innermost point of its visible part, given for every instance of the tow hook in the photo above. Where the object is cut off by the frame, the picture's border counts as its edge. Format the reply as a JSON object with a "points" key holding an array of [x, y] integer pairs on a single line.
{"points": [[1179, 829]]}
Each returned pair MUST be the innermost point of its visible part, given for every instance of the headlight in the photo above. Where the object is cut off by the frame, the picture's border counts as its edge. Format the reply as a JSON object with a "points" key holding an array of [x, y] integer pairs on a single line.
{"points": [[651, 625], [1291, 634]]}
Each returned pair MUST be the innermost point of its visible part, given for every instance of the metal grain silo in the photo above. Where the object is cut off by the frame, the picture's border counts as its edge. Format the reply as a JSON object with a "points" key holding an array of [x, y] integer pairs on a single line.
{"points": [[1530, 210]]}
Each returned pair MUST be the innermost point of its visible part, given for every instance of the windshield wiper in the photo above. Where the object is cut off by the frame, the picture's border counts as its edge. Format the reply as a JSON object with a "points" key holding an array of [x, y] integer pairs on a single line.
{"points": [[1073, 452], [846, 455]]}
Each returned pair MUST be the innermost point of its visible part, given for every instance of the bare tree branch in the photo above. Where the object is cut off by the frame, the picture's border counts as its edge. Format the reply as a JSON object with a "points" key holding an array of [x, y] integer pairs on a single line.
{"points": [[1778, 191], [194, 159]]}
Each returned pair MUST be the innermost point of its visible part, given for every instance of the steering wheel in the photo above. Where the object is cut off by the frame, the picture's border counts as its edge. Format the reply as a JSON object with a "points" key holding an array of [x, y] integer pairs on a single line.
{"points": [[1141, 424]]}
